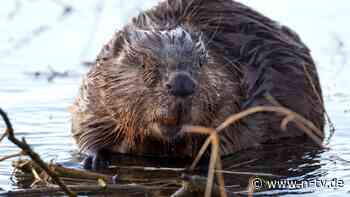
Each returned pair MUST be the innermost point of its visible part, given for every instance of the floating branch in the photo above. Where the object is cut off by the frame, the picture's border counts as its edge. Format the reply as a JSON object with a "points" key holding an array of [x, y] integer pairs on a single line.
{"points": [[27, 150], [10, 156], [27, 165]]}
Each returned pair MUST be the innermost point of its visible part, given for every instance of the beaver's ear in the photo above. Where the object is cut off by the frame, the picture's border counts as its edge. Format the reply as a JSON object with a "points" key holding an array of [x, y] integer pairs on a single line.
{"points": [[112, 48]]}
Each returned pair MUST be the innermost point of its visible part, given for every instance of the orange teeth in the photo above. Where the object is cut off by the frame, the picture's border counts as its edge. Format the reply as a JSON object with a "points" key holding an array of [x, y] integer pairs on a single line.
{"points": [[168, 120]]}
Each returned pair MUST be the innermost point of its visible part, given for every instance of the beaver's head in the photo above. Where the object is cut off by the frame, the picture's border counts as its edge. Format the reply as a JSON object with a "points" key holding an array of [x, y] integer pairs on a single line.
{"points": [[161, 80]]}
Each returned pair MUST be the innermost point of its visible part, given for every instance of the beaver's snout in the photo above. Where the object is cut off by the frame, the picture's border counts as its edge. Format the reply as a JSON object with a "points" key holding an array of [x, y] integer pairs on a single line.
{"points": [[181, 84]]}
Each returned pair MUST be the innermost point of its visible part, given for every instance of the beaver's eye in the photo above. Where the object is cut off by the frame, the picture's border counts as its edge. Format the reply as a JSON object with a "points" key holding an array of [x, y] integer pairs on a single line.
{"points": [[201, 62], [143, 66]]}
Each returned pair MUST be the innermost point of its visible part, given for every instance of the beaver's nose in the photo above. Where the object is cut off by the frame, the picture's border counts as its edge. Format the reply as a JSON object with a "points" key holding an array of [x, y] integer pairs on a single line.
{"points": [[181, 85]]}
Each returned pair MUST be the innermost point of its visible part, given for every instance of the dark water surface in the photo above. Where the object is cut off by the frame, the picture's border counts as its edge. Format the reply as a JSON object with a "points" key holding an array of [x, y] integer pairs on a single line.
{"points": [[37, 34]]}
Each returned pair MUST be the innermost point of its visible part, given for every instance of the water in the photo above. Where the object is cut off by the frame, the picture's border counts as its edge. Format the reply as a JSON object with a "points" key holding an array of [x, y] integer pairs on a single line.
{"points": [[37, 35]]}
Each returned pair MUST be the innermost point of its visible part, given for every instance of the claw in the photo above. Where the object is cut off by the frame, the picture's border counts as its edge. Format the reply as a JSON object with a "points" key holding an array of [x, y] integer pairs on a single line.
{"points": [[87, 162], [97, 160]]}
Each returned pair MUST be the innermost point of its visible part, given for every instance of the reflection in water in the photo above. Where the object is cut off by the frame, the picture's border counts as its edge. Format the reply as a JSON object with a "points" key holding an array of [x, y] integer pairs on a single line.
{"points": [[287, 159]]}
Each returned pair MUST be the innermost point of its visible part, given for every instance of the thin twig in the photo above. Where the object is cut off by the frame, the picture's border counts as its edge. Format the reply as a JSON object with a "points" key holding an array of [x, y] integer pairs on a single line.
{"points": [[242, 163], [215, 161], [312, 132], [10, 156], [248, 173], [145, 168], [33, 155], [300, 121], [200, 153], [219, 175], [251, 187], [286, 120], [3, 135], [37, 178]]}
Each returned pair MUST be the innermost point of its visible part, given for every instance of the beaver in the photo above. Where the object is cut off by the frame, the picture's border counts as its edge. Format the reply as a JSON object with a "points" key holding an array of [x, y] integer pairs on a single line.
{"points": [[193, 62]]}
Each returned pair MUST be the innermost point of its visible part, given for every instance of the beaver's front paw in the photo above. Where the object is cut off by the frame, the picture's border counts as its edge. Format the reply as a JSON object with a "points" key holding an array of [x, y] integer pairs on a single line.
{"points": [[98, 160]]}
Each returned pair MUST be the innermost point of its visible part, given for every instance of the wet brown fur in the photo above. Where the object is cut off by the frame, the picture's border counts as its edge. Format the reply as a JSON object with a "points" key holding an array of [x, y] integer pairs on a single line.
{"points": [[250, 55]]}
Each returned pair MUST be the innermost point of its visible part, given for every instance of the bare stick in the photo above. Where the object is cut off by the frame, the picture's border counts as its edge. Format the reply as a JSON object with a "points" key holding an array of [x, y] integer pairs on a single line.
{"points": [[248, 173], [242, 163], [63, 172], [282, 110], [200, 153], [212, 164], [219, 175], [33, 155], [3, 135], [145, 168], [198, 129], [251, 187], [10, 156], [37, 179], [215, 160], [286, 120], [289, 112]]}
